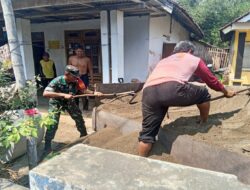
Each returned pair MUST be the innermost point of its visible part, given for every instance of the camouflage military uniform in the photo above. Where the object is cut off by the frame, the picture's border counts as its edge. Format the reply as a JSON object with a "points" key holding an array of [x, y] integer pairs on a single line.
{"points": [[56, 105]]}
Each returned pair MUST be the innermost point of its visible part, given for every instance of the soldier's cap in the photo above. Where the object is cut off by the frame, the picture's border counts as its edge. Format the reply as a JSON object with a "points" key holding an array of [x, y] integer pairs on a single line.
{"points": [[74, 71]]}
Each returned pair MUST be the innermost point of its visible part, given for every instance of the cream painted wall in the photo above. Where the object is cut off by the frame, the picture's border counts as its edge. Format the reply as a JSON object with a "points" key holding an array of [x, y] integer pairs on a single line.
{"points": [[55, 31], [159, 28]]}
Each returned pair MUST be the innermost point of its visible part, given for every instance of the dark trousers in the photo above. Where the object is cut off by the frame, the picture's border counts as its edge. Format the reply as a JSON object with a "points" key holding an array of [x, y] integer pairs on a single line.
{"points": [[45, 82], [157, 99], [85, 100], [74, 112]]}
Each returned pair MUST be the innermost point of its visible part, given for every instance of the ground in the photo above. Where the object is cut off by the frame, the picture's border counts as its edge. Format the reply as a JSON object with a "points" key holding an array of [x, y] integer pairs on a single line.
{"points": [[228, 127]]}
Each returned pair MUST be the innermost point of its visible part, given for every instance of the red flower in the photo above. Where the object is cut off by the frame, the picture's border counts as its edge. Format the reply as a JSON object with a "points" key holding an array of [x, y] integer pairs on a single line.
{"points": [[31, 112]]}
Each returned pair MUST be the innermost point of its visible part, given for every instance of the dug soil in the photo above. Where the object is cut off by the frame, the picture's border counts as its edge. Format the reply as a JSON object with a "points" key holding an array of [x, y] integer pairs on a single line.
{"points": [[113, 139], [228, 125]]}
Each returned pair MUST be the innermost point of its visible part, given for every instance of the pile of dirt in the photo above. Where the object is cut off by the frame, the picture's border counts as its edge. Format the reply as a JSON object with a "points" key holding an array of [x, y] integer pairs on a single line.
{"points": [[113, 139], [228, 124]]}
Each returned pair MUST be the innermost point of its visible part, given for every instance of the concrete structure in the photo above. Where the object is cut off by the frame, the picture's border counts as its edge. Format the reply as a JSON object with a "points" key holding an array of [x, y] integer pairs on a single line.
{"points": [[183, 148], [238, 33], [84, 167], [134, 34], [20, 148], [6, 184]]}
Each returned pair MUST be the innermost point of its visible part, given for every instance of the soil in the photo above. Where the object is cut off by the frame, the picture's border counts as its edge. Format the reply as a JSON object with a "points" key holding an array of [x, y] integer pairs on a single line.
{"points": [[112, 139], [228, 124]]}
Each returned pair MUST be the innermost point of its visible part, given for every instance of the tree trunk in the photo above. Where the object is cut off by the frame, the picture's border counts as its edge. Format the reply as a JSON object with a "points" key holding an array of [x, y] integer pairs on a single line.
{"points": [[14, 45]]}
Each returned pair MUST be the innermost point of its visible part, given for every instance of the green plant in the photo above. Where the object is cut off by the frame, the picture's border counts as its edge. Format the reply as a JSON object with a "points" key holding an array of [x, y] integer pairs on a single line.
{"points": [[11, 132], [12, 124]]}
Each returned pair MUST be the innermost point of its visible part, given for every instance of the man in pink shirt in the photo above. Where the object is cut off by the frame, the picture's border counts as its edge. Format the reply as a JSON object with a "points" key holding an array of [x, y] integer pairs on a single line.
{"points": [[168, 86]]}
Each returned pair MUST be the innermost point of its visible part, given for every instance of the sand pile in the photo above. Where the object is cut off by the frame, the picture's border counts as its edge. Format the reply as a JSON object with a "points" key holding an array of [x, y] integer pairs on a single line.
{"points": [[228, 125]]}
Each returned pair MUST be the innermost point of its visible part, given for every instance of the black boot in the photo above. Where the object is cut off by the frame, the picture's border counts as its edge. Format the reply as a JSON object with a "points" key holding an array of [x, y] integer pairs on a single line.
{"points": [[83, 134], [47, 148], [86, 104]]}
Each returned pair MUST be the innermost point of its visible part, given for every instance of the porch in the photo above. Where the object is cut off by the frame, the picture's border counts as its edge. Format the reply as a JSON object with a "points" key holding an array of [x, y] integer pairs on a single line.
{"points": [[123, 38]]}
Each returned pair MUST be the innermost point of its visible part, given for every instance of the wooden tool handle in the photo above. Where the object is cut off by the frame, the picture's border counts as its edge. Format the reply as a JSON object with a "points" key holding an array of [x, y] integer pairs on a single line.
{"points": [[223, 96], [106, 95]]}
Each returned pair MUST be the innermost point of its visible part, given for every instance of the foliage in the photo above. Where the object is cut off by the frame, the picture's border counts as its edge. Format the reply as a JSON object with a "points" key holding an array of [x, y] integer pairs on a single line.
{"points": [[13, 123], [211, 15], [11, 132]]}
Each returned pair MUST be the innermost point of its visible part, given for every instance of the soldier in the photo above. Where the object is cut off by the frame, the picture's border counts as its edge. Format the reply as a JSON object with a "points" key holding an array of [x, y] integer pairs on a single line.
{"points": [[61, 91]]}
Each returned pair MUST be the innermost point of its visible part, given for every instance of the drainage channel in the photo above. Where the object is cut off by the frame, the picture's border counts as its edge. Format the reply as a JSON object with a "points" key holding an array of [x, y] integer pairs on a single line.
{"points": [[120, 134]]}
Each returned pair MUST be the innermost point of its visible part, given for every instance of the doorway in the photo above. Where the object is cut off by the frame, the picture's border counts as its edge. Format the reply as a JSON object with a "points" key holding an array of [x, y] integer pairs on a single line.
{"points": [[90, 40], [38, 49], [167, 49]]}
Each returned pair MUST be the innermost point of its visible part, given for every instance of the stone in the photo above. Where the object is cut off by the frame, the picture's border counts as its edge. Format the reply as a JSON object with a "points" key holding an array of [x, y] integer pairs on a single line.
{"points": [[85, 167]]}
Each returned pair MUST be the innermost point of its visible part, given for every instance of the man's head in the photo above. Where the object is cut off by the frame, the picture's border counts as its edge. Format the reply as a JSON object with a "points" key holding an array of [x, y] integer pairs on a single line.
{"points": [[71, 73], [79, 51], [184, 46], [45, 56]]}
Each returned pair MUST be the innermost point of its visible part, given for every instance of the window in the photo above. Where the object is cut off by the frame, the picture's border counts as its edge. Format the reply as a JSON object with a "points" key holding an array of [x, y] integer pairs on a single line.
{"points": [[246, 57]]}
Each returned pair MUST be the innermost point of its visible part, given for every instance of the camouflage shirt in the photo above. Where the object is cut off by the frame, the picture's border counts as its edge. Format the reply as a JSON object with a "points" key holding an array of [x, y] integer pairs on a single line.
{"points": [[60, 85]]}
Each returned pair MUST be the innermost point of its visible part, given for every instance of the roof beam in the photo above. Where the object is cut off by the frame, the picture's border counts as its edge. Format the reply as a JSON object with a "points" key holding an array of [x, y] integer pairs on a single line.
{"points": [[236, 26], [25, 4], [60, 14]]}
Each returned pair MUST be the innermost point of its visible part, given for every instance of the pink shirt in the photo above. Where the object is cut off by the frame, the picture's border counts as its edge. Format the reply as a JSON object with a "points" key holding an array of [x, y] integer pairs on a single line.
{"points": [[180, 67]]}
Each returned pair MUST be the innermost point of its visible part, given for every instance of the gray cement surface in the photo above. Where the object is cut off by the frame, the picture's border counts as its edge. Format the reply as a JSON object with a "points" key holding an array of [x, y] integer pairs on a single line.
{"points": [[84, 167], [8, 185], [199, 154]]}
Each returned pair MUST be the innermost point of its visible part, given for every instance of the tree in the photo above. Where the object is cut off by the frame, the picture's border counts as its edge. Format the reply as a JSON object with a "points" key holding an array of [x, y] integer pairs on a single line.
{"points": [[211, 15]]}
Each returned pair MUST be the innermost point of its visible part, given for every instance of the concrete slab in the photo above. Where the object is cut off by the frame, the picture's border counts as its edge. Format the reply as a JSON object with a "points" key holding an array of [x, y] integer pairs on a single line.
{"points": [[84, 167], [6, 184], [199, 154], [101, 121]]}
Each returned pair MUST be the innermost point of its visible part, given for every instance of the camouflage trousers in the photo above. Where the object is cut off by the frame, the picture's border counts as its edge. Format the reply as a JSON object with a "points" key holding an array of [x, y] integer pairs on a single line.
{"points": [[74, 112]]}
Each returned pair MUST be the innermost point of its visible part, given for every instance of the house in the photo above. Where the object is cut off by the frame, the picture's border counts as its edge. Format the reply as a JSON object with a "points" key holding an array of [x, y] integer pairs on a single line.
{"points": [[237, 33], [123, 38]]}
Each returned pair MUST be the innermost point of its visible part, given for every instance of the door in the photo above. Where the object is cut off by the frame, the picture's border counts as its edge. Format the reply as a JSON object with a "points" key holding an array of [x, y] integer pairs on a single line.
{"points": [[90, 40], [38, 49], [167, 49]]}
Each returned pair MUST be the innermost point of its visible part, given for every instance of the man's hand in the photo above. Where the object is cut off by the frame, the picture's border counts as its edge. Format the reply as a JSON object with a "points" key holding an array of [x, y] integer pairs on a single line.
{"points": [[98, 93], [68, 96], [229, 93]]}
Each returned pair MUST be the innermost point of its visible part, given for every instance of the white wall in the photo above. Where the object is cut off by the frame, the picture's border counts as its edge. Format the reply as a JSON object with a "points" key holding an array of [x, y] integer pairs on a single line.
{"points": [[160, 26], [55, 31], [136, 44]]}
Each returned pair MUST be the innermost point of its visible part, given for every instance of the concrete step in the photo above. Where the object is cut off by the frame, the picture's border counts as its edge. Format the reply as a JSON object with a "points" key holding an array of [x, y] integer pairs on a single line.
{"points": [[86, 167]]}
